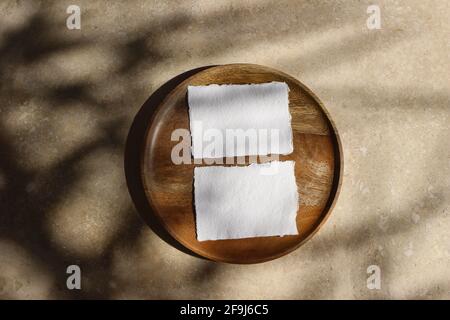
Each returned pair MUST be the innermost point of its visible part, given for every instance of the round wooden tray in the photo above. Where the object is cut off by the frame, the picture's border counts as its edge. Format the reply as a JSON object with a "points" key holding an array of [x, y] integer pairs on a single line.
{"points": [[318, 167]]}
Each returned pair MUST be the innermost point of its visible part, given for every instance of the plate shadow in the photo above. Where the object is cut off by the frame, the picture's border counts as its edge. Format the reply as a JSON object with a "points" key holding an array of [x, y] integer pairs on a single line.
{"points": [[132, 158]]}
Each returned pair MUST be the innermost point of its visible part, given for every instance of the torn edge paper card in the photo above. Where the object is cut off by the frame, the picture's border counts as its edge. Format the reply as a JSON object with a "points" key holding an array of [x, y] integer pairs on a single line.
{"points": [[240, 120], [243, 202]]}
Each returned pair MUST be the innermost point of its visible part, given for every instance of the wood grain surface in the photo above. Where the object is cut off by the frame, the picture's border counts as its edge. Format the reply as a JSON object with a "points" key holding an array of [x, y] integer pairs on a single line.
{"points": [[318, 167]]}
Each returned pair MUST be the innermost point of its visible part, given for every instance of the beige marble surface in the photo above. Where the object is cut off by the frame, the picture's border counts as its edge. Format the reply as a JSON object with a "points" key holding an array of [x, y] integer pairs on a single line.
{"points": [[68, 98]]}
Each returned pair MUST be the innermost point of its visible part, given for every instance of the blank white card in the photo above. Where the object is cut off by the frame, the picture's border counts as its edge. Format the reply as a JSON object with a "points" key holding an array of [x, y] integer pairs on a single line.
{"points": [[225, 119], [241, 202]]}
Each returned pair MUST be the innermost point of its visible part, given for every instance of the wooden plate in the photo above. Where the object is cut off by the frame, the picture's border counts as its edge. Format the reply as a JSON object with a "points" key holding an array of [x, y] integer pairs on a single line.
{"points": [[317, 154]]}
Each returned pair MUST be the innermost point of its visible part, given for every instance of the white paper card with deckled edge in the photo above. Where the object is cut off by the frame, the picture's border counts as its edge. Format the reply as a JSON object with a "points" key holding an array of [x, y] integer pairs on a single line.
{"points": [[225, 119], [243, 202]]}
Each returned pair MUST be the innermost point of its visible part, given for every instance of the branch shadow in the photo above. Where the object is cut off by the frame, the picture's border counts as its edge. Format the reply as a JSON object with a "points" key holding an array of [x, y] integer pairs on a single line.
{"points": [[23, 213]]}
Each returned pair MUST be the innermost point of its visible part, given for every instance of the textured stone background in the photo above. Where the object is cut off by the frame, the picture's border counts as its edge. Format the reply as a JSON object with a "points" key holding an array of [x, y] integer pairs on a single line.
{"points": [[68, 99]]}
